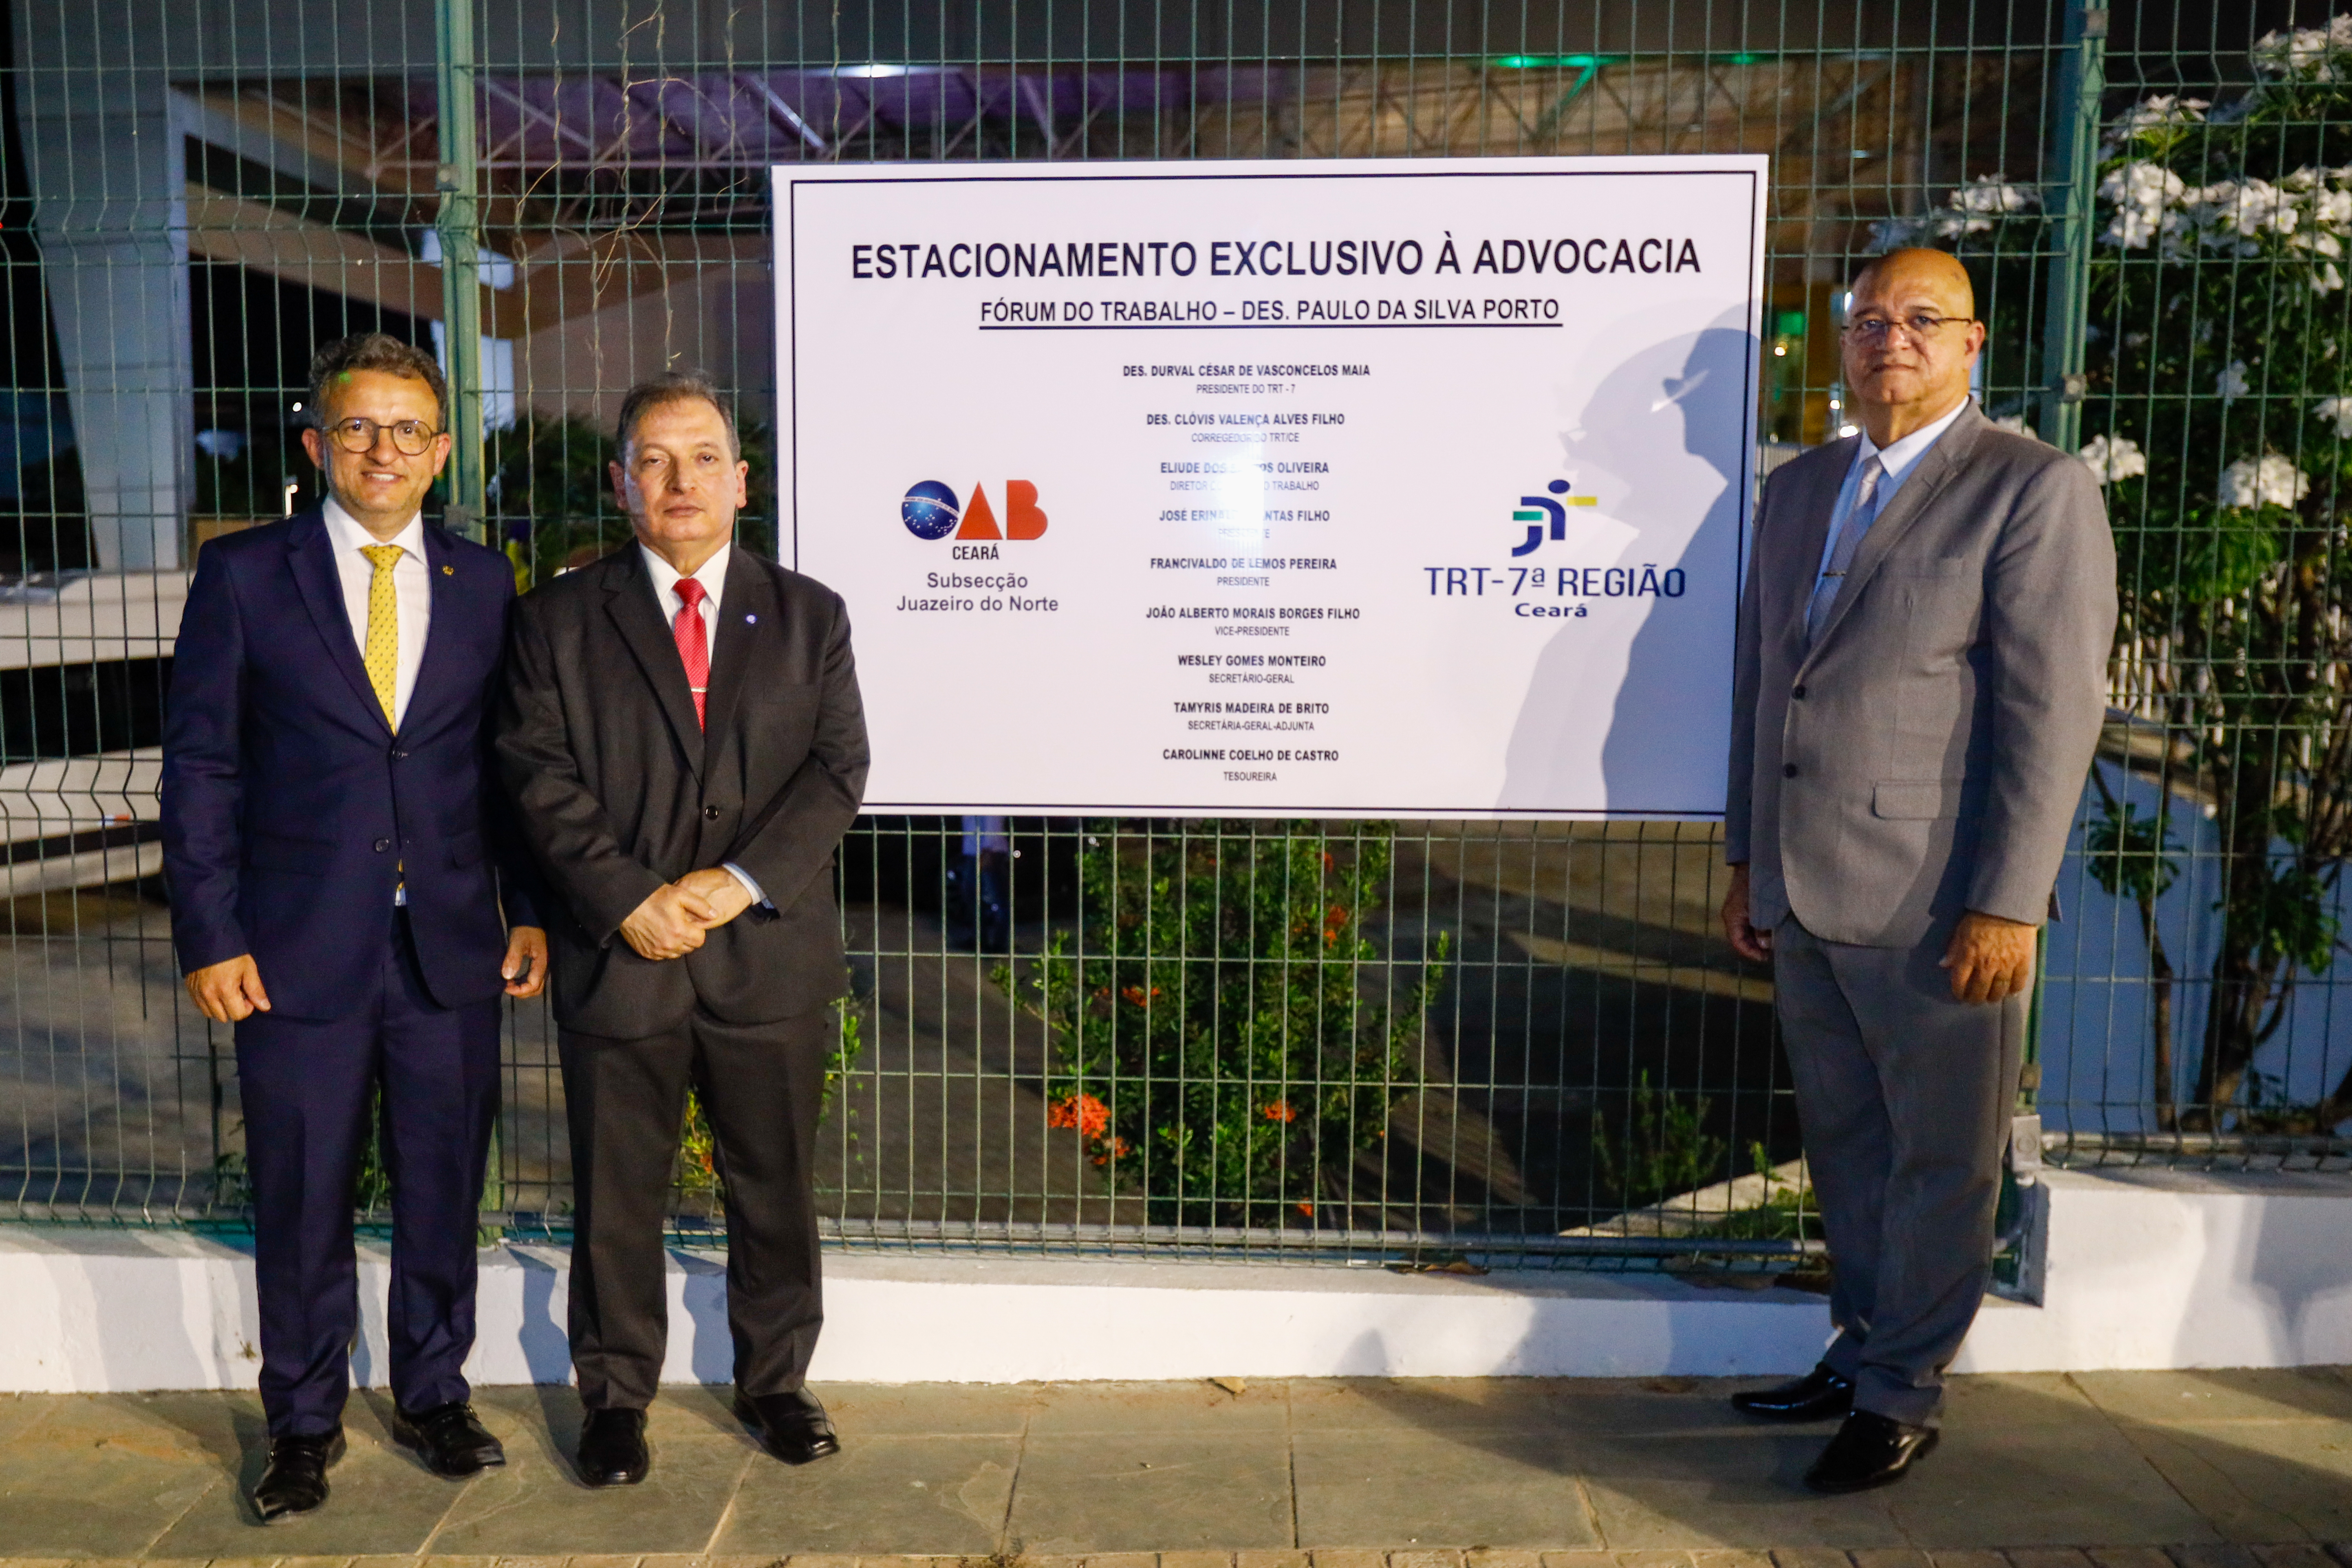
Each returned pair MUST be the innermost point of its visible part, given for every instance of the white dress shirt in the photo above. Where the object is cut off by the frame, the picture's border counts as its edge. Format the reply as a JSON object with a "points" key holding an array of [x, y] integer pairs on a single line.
{"points": [[712, 575], [411, 585], [1895, 461]]}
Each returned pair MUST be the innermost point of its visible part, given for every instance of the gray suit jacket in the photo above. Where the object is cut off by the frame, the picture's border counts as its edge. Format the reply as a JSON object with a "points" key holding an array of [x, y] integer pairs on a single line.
{"points": [[1925, 756]]}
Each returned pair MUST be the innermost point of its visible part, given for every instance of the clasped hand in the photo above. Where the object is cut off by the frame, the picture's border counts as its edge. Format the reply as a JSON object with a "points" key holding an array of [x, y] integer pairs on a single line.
{"points": [[675, 917]]}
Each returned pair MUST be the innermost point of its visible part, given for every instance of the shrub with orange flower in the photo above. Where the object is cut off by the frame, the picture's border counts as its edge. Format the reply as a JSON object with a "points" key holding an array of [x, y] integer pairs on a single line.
{"points": [[1089, 1115], [1213, 962]]}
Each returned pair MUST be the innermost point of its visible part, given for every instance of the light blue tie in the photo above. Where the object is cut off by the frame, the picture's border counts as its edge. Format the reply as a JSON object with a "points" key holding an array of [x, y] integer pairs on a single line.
{"points": [[1858, 519]]}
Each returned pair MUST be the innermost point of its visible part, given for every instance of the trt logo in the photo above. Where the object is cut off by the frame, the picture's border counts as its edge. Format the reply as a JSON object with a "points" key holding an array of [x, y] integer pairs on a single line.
{"points": [[1547, 508], [931, 511]]}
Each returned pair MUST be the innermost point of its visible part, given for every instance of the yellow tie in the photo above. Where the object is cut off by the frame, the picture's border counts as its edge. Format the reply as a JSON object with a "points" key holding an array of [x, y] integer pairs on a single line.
{"points": [[383, 653]]}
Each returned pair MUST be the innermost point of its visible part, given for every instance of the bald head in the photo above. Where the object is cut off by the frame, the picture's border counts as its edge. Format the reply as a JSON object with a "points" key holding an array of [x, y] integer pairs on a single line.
{"points": [[1940, 270], [1911, 339]]}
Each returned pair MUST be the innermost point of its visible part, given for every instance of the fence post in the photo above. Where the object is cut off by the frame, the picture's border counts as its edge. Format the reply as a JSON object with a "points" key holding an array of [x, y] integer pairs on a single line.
{"points": [[461, 283], [2073, 167]]}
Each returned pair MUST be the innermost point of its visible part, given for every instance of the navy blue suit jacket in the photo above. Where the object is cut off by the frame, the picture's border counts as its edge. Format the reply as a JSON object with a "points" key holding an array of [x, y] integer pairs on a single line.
{"points": [[291, 811]]}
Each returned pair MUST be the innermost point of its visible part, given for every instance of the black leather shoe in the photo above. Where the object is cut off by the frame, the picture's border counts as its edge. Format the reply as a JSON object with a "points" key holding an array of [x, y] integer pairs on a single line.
{"points": [[1870, 1450], [1818, 1396], [793, 1425], [613, 1450], [449, 1439], [295, 1479]]}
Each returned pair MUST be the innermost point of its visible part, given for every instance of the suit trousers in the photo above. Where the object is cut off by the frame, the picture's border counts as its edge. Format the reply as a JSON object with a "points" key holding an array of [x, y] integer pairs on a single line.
{"points": [[1905, 1098], [761, 1086], [305, 1084]]}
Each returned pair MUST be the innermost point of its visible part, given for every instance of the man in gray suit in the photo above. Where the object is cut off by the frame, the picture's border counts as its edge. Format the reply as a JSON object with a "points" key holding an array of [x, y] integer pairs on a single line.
{"points": [[1920, 682]]}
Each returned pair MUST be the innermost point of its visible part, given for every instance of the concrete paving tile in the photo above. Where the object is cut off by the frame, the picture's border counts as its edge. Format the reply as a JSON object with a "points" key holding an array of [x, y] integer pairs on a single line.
{"points": [[22, 1412], [806, 1560], [899, 1495], [1403, 1488], [1809, 1557], [1152, 1489], [315, 1562], [1733, 1560], [2122, 1557], [2200, 1397], [537, 1505], [1197, 1406], [440, 1561], [2228, 1555], [1119, 1560], [1500, 1557], [1579, 1559], [688, 1411], [96, 1478], [1425, 1559], [1441, 1405], [2053, 1484], [1348, 1557], [1747, 1495], [380, 1500], [245, 1563], [929, 1409], [1221, 1560], [630, 1561], [1270, 1560], [2258, 1480], [1652, 1558], [2015, 1399], [2297, 1554], [2049, 1557], [1890, 1557]]}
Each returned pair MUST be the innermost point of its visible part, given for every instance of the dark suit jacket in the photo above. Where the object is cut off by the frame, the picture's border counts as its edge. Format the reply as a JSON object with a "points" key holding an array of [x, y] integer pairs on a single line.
{"points": [[1926, 753], [619, 791], [290, 808]]}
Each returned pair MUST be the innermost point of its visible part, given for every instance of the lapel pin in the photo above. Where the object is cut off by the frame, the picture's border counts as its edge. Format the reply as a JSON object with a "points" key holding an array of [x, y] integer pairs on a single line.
{"points": [[448, 570], [750, 620]]}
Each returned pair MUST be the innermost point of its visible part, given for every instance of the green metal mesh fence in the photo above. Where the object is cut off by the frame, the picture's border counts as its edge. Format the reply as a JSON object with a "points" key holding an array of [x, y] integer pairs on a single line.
{"points": [[1493, 1039]]}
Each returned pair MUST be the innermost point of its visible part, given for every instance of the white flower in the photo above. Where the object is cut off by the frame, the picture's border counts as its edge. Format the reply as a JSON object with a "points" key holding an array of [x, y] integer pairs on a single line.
{"points": [[2267, 480], [2327, 280], [1975, 205], [2231, 383], [2164, 109], [2139, 194], [2242, 208], [2119, 459], [2306, 54], [2016, 422], [2338, 409]]}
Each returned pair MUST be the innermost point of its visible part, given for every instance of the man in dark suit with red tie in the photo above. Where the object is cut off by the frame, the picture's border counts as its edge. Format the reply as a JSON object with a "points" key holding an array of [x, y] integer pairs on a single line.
{"points": [[682, 733], [334, 853]]}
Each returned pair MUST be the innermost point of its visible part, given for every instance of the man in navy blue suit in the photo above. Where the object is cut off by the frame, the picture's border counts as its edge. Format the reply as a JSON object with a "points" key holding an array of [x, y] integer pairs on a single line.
{"points": [[341, 891]]}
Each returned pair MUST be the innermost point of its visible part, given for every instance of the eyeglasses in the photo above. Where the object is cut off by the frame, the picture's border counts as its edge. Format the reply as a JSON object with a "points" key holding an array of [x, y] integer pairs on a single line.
{"points": [[410, 436], [1872, 331]]}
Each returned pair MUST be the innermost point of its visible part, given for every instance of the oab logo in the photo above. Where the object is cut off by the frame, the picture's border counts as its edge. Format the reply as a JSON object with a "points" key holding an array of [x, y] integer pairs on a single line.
{"points": [[1546, 507], [932, 511]]}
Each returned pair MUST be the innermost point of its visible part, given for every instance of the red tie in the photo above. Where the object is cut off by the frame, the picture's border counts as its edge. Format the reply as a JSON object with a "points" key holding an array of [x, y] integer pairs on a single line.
{"points": [[693, 647]]}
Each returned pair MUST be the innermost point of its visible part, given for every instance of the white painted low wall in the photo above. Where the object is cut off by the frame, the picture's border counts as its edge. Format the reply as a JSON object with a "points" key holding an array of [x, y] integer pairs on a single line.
{"points": [[2151, 1270]]}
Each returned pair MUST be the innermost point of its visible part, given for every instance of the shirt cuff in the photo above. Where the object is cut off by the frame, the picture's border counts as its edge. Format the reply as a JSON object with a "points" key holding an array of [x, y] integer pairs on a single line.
{"points": [[750, 886]]}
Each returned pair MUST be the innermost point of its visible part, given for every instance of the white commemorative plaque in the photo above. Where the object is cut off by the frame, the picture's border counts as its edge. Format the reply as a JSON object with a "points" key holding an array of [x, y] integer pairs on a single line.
{"points": [[1374, 489]]}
